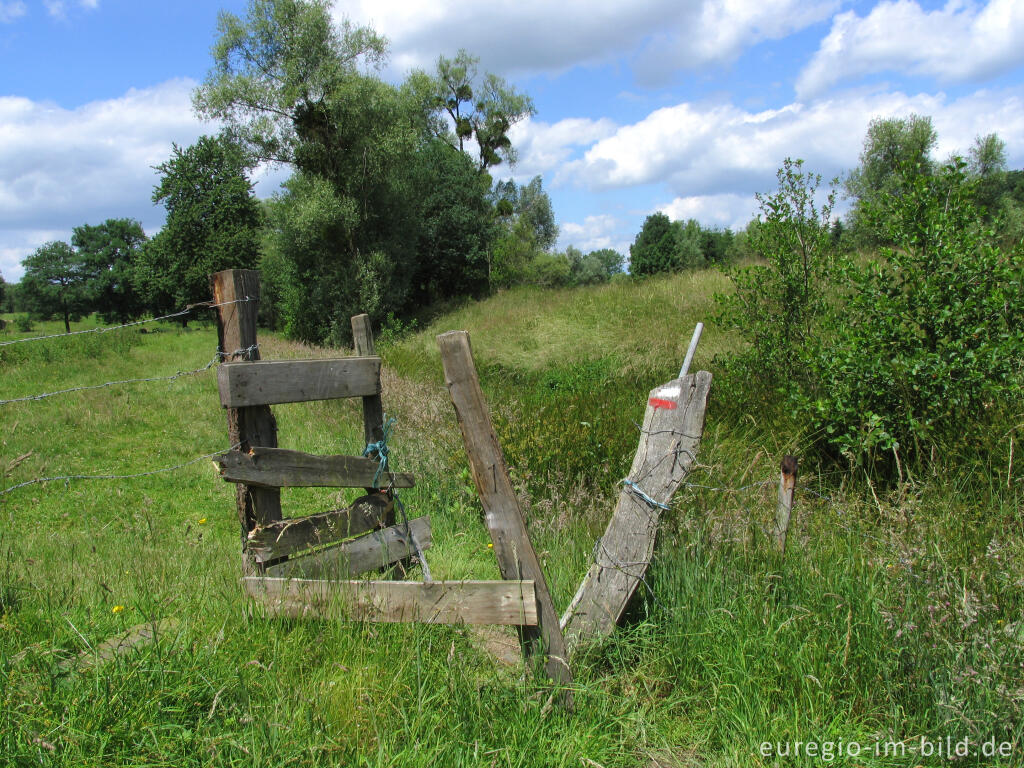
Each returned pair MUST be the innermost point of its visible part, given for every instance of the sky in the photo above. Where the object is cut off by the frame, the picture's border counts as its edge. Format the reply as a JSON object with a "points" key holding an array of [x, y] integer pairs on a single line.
{"points": [[682, 106]]}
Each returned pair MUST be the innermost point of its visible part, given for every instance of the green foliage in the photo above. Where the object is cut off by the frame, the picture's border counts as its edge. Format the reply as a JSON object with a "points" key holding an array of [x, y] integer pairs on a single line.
{"points": [[56, 282], [213, 223], [110, 251], [777, 306], [654, 249], [931, 333]]}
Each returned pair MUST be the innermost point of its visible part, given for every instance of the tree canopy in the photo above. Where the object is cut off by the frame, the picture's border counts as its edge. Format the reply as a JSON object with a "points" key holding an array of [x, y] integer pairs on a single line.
{"points": [[55, 282]]}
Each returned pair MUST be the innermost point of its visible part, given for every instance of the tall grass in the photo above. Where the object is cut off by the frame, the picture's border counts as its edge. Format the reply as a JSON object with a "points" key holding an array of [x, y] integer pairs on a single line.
{"points": [[896, 615]]}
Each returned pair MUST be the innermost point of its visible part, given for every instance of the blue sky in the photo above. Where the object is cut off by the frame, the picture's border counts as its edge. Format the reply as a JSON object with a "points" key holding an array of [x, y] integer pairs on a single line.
{"points": [[683, 106]]}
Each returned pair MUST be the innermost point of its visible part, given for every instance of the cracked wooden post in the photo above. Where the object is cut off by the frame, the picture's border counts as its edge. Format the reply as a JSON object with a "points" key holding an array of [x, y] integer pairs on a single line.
{"points": [[671, 433], [516, 556], [784, 510], [237, 291]]}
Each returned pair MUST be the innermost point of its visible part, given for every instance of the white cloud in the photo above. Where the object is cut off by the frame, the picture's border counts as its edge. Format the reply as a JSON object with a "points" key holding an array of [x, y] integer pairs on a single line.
{"points": [[531, 36], [698, 150], [544, 147], [596, 232], [11, 11], [957, 43], [63, 167], [724, 210]]}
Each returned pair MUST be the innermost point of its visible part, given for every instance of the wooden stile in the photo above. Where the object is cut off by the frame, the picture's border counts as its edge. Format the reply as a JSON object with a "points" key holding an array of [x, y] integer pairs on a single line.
{"points": [[280, 468], [784, 509], [512, 547], [297, 381], [671, 432], [437, 602], [237, 292], [370, 551], [290, 536]]}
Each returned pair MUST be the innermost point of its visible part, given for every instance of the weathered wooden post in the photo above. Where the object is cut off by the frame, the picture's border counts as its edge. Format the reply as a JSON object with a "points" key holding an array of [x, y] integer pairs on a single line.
{"points": [[373, 411], [237, 294], [512, 547], [784, 510]]}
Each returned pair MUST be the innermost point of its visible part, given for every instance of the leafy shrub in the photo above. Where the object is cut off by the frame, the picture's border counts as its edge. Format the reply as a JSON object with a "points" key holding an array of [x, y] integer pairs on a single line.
{"points": [[24, 323]]}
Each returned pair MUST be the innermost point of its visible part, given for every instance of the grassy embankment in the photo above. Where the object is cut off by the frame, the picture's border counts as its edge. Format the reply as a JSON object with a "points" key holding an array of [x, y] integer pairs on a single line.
{"points": [[897, 614]]}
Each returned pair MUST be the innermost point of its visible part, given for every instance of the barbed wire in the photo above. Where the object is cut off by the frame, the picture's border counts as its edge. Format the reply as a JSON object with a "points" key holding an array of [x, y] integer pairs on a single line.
{"points": [[68, 478], [181, 313], [216, 358]]}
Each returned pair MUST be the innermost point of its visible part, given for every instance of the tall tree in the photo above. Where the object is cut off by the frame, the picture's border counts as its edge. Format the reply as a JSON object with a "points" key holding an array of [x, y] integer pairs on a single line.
{"points": [[654, 249], [55, 282], [481, 108], [109, 252], [213, 223]]}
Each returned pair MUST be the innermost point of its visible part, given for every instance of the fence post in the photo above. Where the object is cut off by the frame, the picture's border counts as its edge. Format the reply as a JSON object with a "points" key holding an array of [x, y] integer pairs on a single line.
{"points": [[237, 291], [373, 411], [784, 510], [516, 556]]}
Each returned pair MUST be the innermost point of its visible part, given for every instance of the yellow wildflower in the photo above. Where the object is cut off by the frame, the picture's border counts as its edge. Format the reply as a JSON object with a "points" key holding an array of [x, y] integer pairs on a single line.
{"points": [[202, 521], [117, 609]]}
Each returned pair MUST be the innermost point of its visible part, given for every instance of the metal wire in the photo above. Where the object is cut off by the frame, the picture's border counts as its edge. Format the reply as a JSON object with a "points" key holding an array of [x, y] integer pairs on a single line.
{"points": [[69, 478], [185, 311]]}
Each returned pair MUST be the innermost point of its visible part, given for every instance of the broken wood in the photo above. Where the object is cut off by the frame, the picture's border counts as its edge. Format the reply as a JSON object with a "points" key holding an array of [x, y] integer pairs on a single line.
{"points": [[119, 645], [237, 293], [435, 602], [784, 509], [672, 429], [282, 468], [366, 553], [297, 381], [512, 547], [293, 535]]}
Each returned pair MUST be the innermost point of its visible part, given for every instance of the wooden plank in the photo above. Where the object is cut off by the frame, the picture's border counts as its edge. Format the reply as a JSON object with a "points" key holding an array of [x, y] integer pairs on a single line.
{"points": [[296, 381], [672, 429], [237, 292], [366, 553], [282, 468], [435, 602], [512, 547], [373, 410], [290, 536], [132, 639]]}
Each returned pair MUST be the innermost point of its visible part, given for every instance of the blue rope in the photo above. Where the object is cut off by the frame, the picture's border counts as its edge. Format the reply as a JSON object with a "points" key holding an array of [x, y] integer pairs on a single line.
{"points": [[380, 450], [638, 491]]}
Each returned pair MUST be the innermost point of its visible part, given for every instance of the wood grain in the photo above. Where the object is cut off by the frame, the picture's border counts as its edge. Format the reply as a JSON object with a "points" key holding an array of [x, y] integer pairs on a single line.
{"points": [[366, 553], [295, 381], [282, 468], [670, 436], [436, 602]]}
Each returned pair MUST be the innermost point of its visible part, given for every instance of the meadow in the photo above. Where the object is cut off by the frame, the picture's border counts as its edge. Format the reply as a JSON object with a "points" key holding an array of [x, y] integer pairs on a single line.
{"points": [[895, 618]]}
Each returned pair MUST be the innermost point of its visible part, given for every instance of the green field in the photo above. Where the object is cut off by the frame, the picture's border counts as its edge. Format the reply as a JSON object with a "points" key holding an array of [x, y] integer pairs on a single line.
{"points": [[896, 615]]}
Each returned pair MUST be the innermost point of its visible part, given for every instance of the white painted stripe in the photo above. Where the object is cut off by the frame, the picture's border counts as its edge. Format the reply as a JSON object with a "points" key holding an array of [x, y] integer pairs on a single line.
{"points": [[668, 392]]}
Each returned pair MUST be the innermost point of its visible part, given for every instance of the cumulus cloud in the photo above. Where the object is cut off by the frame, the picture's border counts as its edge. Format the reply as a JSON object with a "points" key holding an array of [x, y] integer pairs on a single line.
{"points": [[594, 233], [724, 210], [959, 42], [63, 167], [700, 150], [11, 11], [531, 36]]}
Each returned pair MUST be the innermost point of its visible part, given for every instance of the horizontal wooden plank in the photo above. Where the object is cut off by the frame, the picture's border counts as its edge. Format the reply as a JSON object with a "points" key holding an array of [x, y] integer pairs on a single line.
{"points": [[433, 602], [294, 381], [366, 553], [281, 468], [287, 537]]}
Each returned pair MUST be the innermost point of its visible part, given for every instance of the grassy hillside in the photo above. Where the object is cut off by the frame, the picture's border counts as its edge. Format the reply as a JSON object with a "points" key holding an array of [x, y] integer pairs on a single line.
{"points": [[896, 615]]}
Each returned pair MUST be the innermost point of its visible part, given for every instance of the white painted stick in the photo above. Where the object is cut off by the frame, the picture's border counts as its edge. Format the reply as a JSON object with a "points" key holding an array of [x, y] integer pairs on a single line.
{"points": [[693, 348]]}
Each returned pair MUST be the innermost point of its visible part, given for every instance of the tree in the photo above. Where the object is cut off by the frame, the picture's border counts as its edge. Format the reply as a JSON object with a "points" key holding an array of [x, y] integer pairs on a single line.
{"points": [[482, 109], [109, 252], [654, 249], [213, 223], [3, 287], [987, 157], [55, 282]]}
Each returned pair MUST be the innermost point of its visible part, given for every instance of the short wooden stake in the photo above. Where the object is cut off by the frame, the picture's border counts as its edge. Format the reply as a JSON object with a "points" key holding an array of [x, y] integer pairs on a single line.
{"points": [[512, 547], [784, 510], [237, 292]]}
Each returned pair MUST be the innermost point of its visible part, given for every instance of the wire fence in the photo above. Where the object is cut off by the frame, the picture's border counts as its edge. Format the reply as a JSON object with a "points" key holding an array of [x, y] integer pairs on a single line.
{"points": [[108, 329]]}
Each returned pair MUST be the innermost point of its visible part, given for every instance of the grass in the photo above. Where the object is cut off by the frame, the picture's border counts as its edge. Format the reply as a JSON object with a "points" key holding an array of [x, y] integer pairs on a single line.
{"points": [[896, 614]]}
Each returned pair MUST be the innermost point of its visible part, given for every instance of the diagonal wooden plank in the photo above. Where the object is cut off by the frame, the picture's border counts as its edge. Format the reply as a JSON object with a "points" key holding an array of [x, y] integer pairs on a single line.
{"points": [[512, 547], [435, 602], [670, 436], [366, 553]]}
